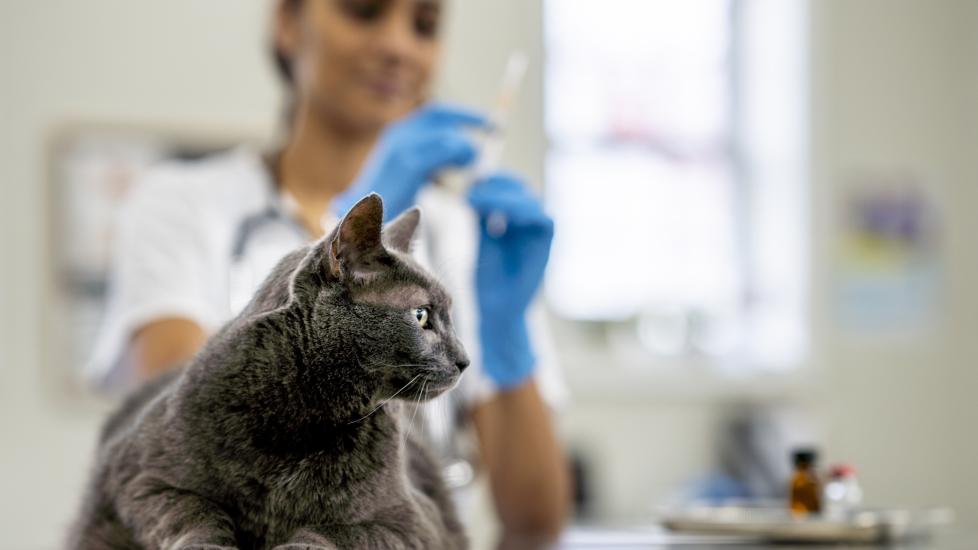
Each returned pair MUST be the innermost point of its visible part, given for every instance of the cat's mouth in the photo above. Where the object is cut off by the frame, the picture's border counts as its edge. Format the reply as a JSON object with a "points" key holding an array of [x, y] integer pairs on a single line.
{"points": [[433, 382]]}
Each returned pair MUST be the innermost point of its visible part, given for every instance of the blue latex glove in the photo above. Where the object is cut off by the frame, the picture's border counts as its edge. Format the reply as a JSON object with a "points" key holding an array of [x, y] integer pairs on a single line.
{"points": [[514, 245], [410, 152]]}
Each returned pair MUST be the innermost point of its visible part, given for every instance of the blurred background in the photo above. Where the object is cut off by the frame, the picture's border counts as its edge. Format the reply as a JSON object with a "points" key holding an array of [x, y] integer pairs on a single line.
{"points": [[765, 216]]}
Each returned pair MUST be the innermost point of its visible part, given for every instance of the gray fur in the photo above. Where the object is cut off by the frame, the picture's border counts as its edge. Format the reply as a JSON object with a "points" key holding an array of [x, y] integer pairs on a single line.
{"points": [[267, 438]]}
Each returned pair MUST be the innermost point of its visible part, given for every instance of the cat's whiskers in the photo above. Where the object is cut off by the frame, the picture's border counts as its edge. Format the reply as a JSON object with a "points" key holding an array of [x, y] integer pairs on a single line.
{"points": [[385, 401], [417, 406]]}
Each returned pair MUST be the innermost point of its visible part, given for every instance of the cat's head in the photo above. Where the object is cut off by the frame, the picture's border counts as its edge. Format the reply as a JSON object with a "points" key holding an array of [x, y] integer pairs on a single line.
{"points": [[372, 310]]}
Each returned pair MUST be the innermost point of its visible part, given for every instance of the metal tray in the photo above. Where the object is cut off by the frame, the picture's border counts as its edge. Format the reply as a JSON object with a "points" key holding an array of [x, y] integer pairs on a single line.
{"points": [[774, 522]]}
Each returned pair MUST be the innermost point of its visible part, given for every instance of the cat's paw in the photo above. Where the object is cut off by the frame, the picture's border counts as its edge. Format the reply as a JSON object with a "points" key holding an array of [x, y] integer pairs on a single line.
{"points": [[199, 546], [303, 546]]}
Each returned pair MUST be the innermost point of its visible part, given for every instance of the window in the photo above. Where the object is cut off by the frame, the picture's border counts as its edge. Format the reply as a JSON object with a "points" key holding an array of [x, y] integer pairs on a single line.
{"points": [[675, 172]]}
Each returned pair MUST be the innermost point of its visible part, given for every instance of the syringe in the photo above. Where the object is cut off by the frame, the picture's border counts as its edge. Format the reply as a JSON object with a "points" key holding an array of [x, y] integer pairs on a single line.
{"points": [[490, 142]]}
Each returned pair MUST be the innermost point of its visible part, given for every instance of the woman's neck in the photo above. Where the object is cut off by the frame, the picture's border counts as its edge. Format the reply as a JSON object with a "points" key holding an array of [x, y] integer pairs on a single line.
{"points": [[320, 161]]}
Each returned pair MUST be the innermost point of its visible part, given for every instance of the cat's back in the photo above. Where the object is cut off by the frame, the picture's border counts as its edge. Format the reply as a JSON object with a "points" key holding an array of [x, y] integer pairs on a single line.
{"points": [[124, 417]]}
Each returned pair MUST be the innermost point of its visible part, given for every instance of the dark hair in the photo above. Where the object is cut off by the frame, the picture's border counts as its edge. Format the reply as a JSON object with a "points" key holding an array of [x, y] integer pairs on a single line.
{"points": [[283, 63]]}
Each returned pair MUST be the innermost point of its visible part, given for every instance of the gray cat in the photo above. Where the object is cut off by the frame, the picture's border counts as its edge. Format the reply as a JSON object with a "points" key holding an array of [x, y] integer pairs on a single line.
{"points": [[282, 433]]}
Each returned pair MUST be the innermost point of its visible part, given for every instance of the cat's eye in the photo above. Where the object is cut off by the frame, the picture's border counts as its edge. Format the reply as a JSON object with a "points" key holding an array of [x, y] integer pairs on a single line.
{"points": [[421, 314]]}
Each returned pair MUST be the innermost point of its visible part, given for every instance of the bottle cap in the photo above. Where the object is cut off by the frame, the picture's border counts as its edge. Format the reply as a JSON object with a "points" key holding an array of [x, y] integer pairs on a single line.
{"points": [[804, 456], [842, 470]]}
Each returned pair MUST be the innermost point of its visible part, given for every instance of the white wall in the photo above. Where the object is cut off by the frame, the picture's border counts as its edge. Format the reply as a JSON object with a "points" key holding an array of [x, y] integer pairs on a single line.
{"points": [[894, 88], [894, 84]]}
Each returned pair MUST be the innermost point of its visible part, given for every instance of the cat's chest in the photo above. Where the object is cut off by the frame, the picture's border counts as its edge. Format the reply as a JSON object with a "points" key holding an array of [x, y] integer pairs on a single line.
{"points": [[314, 494]]}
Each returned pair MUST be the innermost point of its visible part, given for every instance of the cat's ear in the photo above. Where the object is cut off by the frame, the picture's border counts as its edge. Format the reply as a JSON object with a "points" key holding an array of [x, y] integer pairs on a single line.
{"points": [[354, 250], [399, 233]]}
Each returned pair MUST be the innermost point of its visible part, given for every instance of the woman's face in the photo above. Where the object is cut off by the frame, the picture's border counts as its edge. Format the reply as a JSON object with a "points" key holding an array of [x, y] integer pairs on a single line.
{"points": [[361, 63]]}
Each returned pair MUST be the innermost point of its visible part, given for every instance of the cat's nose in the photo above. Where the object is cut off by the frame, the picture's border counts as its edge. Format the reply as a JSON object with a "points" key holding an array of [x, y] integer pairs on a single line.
{"points": [[461, 358]]}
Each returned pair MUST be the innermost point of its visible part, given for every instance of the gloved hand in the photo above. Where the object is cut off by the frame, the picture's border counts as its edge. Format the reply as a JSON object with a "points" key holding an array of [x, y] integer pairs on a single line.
{"points": [[409, 153], [514, 245]]}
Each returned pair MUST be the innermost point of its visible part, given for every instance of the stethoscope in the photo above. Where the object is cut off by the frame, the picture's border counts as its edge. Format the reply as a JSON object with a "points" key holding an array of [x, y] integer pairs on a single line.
{"points": [[252, 223], [442, 432], [242, 277]]}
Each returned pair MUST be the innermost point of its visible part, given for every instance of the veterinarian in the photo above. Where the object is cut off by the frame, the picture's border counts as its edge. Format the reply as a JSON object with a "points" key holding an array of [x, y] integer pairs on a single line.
{"points": [[195, 239]]}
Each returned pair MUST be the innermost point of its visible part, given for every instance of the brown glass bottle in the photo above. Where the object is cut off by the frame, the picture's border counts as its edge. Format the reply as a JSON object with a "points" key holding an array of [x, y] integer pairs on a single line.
{"points": [[805, 492]]}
